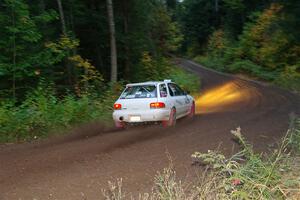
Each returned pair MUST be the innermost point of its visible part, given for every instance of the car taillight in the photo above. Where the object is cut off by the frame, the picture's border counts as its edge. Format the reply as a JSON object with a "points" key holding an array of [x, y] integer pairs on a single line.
{"points": [[157, 105], [117, 106]]}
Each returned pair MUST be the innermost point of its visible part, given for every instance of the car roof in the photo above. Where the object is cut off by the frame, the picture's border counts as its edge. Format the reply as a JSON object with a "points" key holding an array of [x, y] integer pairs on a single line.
{"points": [[148, 83]]}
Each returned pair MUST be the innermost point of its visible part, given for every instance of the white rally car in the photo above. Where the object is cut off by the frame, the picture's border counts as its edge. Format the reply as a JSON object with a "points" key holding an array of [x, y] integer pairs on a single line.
{"points": [[161, 101]]}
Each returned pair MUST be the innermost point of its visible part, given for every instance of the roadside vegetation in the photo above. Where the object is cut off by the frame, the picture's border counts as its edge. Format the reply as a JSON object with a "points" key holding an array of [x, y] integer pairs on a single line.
{"points": [[253, 38], [245, 175]]}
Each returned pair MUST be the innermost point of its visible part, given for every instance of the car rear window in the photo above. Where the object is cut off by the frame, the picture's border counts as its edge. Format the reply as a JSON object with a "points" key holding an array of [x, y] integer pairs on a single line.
{"points": [[139, 91]]}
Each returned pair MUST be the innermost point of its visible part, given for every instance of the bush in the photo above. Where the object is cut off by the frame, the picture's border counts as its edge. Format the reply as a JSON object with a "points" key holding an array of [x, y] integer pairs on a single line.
{"points": [[248, 67], [42, 113], [237, 66], [290, 78], [186, 80], [294, 139], [216, 63]]}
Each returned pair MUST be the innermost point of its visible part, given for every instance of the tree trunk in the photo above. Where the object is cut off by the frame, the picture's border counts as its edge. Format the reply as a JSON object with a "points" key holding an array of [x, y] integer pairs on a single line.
{"points": [[14, 56], [42, 6], [217, 6], [62, 17], [64, 32], [218, 20], [125, 17], [113, 50]]}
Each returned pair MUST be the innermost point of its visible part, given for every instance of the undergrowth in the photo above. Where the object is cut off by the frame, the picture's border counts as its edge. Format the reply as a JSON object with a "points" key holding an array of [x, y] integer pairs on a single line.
{"points": [[43, 113], [245, 175], [186, 80]]}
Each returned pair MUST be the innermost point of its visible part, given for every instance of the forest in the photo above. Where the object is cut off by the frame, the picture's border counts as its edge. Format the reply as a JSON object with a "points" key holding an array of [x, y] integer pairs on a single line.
{"points": [[64, 62], [256, 38]]}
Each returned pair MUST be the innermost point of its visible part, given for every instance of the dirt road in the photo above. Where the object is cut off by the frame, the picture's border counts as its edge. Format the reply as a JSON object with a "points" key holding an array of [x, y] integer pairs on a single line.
{"points": [[78, 167]]}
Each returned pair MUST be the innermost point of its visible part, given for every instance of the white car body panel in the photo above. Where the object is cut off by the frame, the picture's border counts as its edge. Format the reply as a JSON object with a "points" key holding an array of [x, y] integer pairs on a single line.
{"points": [[138, 109]]}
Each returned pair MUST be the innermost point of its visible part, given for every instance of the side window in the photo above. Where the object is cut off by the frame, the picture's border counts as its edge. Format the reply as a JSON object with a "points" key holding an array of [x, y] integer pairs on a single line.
{"points": [[172, 89], [180, 92], [175, 90], [163, 90]]}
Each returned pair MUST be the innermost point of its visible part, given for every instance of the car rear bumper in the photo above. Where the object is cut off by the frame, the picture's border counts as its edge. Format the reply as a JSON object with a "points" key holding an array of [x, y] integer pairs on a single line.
{"points": [[152, 115]]}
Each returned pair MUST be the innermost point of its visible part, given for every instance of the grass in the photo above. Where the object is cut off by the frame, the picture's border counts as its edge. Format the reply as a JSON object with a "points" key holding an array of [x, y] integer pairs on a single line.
{"points": [[43, 114], [186, 80], [214, 63], [245, 175]]}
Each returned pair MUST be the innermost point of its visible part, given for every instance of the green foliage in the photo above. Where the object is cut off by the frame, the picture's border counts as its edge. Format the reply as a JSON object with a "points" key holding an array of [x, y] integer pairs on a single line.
{"points": [[270, 50], [253, 37], [198, 19], [217, 44], [256, 42], [186, 80], [32, 47], [290, 78], [60, 49], [291, 19], [294, 139], [42, 113], [90, 77], [20, 42], [211, 62], [166, 33], [150, 69], [248, 67], [216, 160]]}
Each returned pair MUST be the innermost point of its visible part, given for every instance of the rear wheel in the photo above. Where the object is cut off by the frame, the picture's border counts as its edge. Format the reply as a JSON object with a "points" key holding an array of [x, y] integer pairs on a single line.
{"points": [[192, 111], [172, 119], [119, 125]]}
